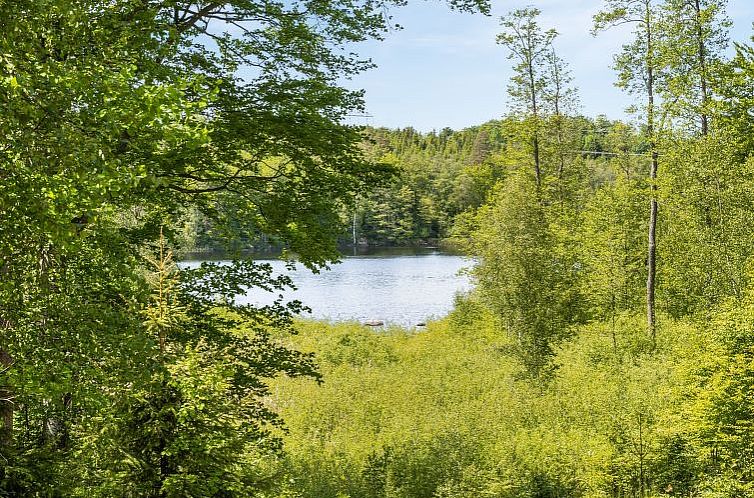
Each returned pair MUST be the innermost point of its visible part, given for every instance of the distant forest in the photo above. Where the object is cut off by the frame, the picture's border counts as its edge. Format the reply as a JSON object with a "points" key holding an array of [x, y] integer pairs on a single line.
{"points": [[436, 181]]}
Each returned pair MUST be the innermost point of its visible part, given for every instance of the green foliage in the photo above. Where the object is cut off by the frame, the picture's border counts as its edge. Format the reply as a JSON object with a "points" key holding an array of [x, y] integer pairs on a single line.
{"points": [[524, 277], [125, 133], [707, 196], [449, 416], [528, 46], [695, 36], [190, 418], [737, 97], [538, 88], [438, 177], [612, 237], [562, 266], [118, 120]]}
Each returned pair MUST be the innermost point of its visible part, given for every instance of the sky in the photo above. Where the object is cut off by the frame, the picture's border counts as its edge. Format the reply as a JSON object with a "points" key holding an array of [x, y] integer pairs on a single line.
{"points": [[444, 69]]}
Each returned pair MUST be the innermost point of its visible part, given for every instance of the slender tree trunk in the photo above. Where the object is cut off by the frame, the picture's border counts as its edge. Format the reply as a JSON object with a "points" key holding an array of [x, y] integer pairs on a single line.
{"points": [[652, 252], [653, 208], [558, 118], [702, 54], [535, 114], [561, 156], [6, 403], [537, 169]]}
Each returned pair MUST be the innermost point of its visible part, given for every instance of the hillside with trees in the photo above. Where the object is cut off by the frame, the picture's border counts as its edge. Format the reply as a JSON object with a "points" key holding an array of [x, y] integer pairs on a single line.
{"points": [[439, 178], [432, 183]]}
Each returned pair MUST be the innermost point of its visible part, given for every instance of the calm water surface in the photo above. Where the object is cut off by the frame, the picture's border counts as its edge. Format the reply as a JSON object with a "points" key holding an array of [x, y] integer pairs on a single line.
{"points": [[402, 289]]}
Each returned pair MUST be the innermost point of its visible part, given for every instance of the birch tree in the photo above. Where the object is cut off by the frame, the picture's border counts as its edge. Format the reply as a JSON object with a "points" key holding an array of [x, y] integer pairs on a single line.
{"points": [[638, 67], [695, 36]]}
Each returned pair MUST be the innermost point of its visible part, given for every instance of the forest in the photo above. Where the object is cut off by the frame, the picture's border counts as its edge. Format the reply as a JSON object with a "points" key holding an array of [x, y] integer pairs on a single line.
{"points": [[433, 179], [607, 349]]}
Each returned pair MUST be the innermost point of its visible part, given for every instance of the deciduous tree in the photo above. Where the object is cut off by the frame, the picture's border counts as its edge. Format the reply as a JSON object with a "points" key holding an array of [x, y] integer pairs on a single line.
{"points": [[639, 70]]}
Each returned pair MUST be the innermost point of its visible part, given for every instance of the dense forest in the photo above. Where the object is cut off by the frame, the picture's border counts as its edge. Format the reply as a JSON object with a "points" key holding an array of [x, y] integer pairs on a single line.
{"points": [[429, 179], [606, 350]]}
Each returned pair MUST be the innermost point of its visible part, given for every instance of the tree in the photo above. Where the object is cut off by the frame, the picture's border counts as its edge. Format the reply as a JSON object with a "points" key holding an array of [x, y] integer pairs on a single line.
{"points": [[707, 191], [530, 47], [522, 275], [561, 99], [194, 422], [736, 98], [116, 118], [541, 92], [638, 72], [611, 245], [695, 33]]}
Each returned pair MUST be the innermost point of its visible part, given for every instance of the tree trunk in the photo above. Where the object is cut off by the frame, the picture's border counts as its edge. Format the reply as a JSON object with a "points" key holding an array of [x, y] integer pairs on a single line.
{"points": [[653, 207], [537, 169], [6, 403], [652, 252], [534, 109], [702, 67]]}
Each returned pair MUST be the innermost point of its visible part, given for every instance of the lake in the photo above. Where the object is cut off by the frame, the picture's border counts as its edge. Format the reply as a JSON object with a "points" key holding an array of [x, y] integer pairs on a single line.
{"points": [[400, 287]]}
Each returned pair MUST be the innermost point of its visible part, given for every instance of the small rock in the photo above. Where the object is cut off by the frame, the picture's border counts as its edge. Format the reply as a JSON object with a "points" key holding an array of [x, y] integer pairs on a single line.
{"points": [[421, 324], [374, 323]]}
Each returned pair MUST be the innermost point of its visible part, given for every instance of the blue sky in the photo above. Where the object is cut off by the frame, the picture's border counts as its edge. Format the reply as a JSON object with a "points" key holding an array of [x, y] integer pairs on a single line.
{"points": [[445, 69]]}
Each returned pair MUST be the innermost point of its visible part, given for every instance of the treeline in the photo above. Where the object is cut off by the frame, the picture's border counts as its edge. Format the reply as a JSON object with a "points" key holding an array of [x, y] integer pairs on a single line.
{"points": [[435, 179], [439, 176]]}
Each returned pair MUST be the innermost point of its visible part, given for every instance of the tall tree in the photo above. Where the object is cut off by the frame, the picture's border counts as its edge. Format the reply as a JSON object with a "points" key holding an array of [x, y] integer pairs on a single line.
{"points": [[695, 35], [524, 276], [115, 117], [529, 46], [562, 100], [638, 67]]}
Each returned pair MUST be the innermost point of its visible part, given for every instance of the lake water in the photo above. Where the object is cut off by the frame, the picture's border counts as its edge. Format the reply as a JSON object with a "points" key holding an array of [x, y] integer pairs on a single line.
{"points": [[395, 287]]}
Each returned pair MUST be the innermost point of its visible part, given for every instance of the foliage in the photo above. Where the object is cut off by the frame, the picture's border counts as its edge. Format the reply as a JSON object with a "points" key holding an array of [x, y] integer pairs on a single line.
{"points": [[524, 278], [131, 129], [544, 382], [119, 119], [447, 414]]}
